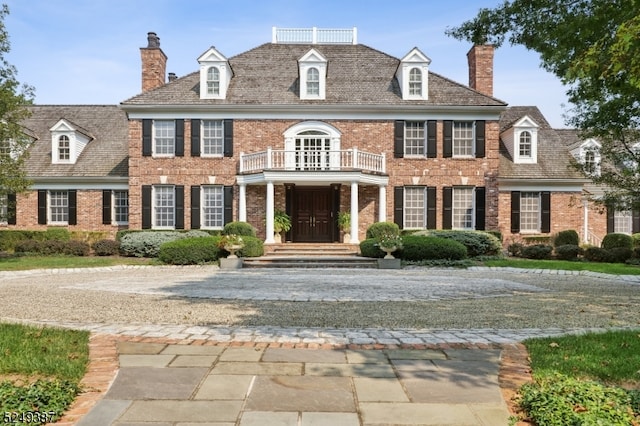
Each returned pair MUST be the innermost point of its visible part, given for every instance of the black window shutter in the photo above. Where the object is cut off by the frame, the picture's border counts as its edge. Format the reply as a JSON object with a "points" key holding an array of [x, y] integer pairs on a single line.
{"points": [[73, 207], [480, 194], [431, 139], [431, 207], [106, 207], [228, 204], [515, 212], [228, 138], [179, 222], [147, 130], [480, 138], [146, 206], [398, 139], [398, 206], [611, 223], [179, 138], [195, 138], [545, 213], [42, 207], [635, 223], [447, 201], [12, 210], [447, 135], [195, 207]]}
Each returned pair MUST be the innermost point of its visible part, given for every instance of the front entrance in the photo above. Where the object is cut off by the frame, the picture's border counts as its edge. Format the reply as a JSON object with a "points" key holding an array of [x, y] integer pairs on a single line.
{"points": [[312, 215]]}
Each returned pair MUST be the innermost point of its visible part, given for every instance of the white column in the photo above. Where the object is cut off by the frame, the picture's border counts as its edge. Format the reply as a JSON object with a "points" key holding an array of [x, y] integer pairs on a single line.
{"points": [[354, 213], [269, 213], [585, 231], [242, 203], [382, 203]]}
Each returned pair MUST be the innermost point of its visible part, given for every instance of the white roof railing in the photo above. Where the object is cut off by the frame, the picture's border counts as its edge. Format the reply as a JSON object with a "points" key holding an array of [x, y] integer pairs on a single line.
{"points": [[314, 35]]}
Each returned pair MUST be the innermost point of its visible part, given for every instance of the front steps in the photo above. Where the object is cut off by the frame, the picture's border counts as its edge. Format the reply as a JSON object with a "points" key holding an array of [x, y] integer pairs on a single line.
{"points": [[310, 255]]}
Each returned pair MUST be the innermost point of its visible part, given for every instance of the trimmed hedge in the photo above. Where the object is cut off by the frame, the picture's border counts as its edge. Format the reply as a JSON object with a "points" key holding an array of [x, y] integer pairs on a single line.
{"points": [[567, 252], [106, 248], [379, 229], [53, 247], [57, 234], [568, 237], [597, 254], [478, 243], [420, 247], [615, 240], [253, 247], [147, 243], [10, 237], [190, 251], [243, 229], [537, 251], [369, 248]]}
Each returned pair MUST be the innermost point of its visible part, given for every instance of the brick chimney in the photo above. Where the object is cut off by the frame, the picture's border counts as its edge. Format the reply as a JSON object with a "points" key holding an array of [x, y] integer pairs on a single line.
{"points": [[480, 59], [154, 64]]}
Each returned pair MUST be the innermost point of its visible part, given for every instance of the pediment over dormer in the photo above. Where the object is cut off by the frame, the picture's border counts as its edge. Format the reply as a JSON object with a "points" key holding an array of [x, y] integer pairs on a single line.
{"points": [[521, 140], [68, 140], [215, 74], [312, 69], [588, 154], [413, 75]]}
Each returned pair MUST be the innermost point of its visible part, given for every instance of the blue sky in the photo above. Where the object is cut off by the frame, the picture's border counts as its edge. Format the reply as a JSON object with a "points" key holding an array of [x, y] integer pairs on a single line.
{"points": [[87, 51]]}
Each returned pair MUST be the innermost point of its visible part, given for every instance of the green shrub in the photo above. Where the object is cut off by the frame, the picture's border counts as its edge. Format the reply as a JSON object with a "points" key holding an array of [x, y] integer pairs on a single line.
{"points": [[106, 248], [537, 251], [478, 243], [567, 252], [146, 243], [515, 249], [57, 234], [76, 248], [239, 228], [636, 240], [617, 240], [379, 229], [369, 248], [597, 254], [496, 234], [28, 247], [190, 251], [568, 237], [9, 238], [620, 254], [53, 247], [420, 247], [253, 247]]}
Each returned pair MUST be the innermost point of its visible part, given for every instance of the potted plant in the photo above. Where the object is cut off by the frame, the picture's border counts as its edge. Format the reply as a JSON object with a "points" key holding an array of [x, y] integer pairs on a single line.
{"points": [[389, 243], [281, 223], [344, 223], [231, 243]]}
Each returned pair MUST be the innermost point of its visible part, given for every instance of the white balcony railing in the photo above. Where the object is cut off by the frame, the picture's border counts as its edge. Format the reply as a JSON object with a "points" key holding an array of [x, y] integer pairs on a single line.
{"points": [[312, 160], [315, 35]]}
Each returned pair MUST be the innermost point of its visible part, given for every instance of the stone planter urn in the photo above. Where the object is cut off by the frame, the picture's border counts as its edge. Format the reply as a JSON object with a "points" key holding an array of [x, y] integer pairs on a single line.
{"points": [[232, 249], [389, 250]]}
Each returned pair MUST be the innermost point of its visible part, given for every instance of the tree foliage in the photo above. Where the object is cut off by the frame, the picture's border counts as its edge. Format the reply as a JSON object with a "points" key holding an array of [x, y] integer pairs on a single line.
{"points": [[14, 101], [593, 47]]}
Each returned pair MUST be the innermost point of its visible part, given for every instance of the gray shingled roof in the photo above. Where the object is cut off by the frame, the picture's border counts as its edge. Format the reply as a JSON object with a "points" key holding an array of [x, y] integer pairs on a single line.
{"points": [[553, 154], [356, 75], [105, 155]]}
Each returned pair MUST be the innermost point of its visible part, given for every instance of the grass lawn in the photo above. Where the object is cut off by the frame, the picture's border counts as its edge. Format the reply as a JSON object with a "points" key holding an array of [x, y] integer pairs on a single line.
{"points": [[40, 369], [50, 262], [606, 268]]}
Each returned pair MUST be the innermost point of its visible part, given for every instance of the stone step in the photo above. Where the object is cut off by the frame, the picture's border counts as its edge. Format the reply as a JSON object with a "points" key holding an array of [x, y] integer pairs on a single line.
{"points": [[302, 249], [274, 261]]}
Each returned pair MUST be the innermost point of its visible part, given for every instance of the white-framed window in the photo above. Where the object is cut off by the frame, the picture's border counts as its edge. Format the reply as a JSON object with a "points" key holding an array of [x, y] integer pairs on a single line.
{"points": [[212, 138], [415, 82], [414, 138], [313, 82], [415, 207], [5, 148], [213, 81], [164, 137], [212, 206], [4, 209], [58, 207], [623, 222], [64, 148], [463, 138], [530, 212], [164, 206], [120, 207], [525, 144], [462, 208]]}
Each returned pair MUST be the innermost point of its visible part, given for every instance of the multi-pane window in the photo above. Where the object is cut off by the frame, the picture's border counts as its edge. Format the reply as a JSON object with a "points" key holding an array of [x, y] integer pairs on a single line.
{"points": [[212, 137], [415, 82], [164, 132], [312, 150], [212, 207], [64, 148], [213, 81], [4, 208], [58, 207], [164, 206], [121, 206], [414, 138], [530, 212], [415, 207], [622, 221], [590, 165], [462, 208], [313, 82], [463, 138], [525, 144]]}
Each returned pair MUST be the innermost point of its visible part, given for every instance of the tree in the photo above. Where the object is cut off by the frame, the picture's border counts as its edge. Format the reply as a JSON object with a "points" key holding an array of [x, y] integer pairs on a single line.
{"points": [[15, 99], [593, 47]]}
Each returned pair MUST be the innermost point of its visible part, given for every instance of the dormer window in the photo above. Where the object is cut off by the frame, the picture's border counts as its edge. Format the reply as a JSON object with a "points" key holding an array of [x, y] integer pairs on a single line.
{"points": [[415, 82], [67, 142], [215, 75], [313, 82], [588, 154], [412, 75], [521, 140], [312, 68], [213, 81], [64, 148], [525, 144]]}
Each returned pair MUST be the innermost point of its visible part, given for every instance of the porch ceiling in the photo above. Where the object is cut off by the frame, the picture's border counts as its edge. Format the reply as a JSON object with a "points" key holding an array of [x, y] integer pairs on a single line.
{"points": [[311, 178]]}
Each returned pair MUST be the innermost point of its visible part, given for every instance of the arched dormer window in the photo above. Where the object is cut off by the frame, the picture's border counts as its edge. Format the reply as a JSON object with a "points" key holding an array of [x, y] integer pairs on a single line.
{"points": [[64, 148], [312, 145], [525, 145], [313, 82], [213, 81], [415, 82]]}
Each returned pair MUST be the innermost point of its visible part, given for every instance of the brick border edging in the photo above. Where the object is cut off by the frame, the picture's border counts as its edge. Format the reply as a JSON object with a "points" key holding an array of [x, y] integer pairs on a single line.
{"points": [[103, 365]]}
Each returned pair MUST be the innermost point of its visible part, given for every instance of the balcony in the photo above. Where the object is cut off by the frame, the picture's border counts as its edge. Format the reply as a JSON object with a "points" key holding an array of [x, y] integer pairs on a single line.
{"points": [[312, 160]]}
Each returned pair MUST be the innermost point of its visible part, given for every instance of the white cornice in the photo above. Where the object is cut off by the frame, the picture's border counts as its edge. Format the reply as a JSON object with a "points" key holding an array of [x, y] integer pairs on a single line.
{"points": [[556, 185], [312, 178]]}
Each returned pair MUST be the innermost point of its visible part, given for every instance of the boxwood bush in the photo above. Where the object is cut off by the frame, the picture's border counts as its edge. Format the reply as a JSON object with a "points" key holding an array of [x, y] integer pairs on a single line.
{"points": [[190, 251], [478, 243], [52, 247], [369, 248], [597, 254], [568, 237], [537, 251], [567, 252], [617, 240], [620, 254], [106, 247], [9, 238], [239, 228], [57, 234], [379, 229], [147, 243], [421, 247]]}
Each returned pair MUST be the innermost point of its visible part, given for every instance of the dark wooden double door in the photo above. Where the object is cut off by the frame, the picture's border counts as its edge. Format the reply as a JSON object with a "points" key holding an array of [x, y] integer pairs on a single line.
{"points": [[313, 213]]}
